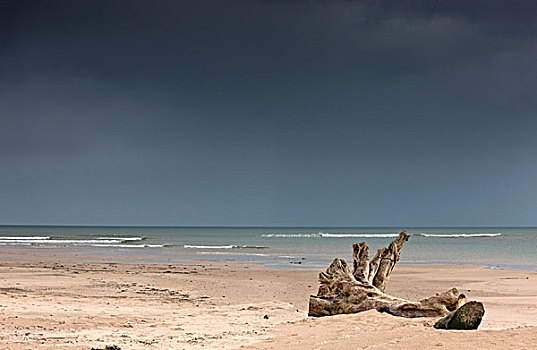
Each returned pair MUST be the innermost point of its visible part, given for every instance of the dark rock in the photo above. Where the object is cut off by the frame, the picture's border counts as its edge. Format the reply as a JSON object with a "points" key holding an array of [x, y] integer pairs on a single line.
{"points": [[265, 317], [466, 317], [108, 347]]}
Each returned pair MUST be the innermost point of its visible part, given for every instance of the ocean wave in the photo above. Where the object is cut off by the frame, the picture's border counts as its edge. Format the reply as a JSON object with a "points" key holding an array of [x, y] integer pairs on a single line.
{"points": [[124, 239], [9, 238], [208, 246], [223, 246], [361, 235], [14, 244], [48, 240], [375, 235], [52, 243], [330, 235], [128, 245], [291, 235], [61, 241], [459, 235]]}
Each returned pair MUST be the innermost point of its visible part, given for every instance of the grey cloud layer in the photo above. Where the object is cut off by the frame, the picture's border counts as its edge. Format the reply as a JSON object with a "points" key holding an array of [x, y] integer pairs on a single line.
{"points": [[260, 113]]}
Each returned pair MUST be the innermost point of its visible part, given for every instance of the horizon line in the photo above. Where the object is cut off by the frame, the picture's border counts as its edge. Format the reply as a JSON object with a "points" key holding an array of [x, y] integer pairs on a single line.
{"points": [[247, 226]]}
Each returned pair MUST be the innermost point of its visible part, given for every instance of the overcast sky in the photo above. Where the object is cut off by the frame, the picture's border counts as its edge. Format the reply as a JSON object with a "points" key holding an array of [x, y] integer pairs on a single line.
{"points": [[329, 113]]}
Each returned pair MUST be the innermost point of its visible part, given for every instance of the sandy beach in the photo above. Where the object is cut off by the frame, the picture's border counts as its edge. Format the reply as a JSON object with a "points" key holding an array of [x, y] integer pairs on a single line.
{"points": [[49, 302], [181, 174]]}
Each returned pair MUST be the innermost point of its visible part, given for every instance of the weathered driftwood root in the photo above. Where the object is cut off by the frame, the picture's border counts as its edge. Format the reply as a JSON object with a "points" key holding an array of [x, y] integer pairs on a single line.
{"points": [[343, 291]]}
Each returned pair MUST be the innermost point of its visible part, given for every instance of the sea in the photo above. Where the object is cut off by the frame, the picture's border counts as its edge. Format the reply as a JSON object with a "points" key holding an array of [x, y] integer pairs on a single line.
{"points": [[279, 247]]}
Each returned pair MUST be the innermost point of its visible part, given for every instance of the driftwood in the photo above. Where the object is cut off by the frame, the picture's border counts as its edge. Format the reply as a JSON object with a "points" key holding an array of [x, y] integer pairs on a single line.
{"points": [[343, 291]]}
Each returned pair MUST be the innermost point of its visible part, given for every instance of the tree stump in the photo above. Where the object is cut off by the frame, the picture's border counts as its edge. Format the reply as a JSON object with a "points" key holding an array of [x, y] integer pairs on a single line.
{"points": [[343, 291]]}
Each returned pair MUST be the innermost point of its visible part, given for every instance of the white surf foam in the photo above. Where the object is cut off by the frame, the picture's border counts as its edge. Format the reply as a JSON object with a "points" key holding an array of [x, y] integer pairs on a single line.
{"points": [[14, 244], [208, 246], [460, 235], [291, 235], [361, 235], [61, 241], [127, 245], [123, 238], [375, 235], [330, 235], [9, 238], [223, 246]]}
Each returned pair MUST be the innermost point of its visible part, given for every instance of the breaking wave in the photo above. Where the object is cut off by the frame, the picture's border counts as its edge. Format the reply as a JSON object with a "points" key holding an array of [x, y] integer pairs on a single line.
{"points": [[362, 235], [62, 241], [24, 238], [124, 238], [224, 246], [119, 242], [291, 235], [130, 245], [329, 235], [459, 235], [376, 235]]}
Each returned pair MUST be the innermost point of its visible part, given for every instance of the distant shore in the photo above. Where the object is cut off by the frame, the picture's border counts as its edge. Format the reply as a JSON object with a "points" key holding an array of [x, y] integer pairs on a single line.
{"points": [[63, 301]]}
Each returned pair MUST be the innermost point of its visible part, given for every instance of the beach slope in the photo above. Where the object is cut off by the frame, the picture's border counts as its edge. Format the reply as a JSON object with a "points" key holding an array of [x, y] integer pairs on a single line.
{"points": [[59, 304]]}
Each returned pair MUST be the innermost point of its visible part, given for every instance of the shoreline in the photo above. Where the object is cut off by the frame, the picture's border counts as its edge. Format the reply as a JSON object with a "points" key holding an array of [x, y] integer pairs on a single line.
{"points": [[136, 256], [52, 302], [286, 248]]}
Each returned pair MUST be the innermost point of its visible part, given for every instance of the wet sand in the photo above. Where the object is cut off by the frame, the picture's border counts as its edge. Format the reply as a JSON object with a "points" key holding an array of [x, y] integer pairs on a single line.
{"points": [[50, 302]]}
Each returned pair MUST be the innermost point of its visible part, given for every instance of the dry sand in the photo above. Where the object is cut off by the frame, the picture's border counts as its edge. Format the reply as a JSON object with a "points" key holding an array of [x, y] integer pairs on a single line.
{"points": [[49, 302]]}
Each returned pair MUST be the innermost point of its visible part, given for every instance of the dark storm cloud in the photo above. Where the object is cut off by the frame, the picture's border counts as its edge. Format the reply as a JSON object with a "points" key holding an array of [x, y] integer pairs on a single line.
{"points": [[260, 113]]}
